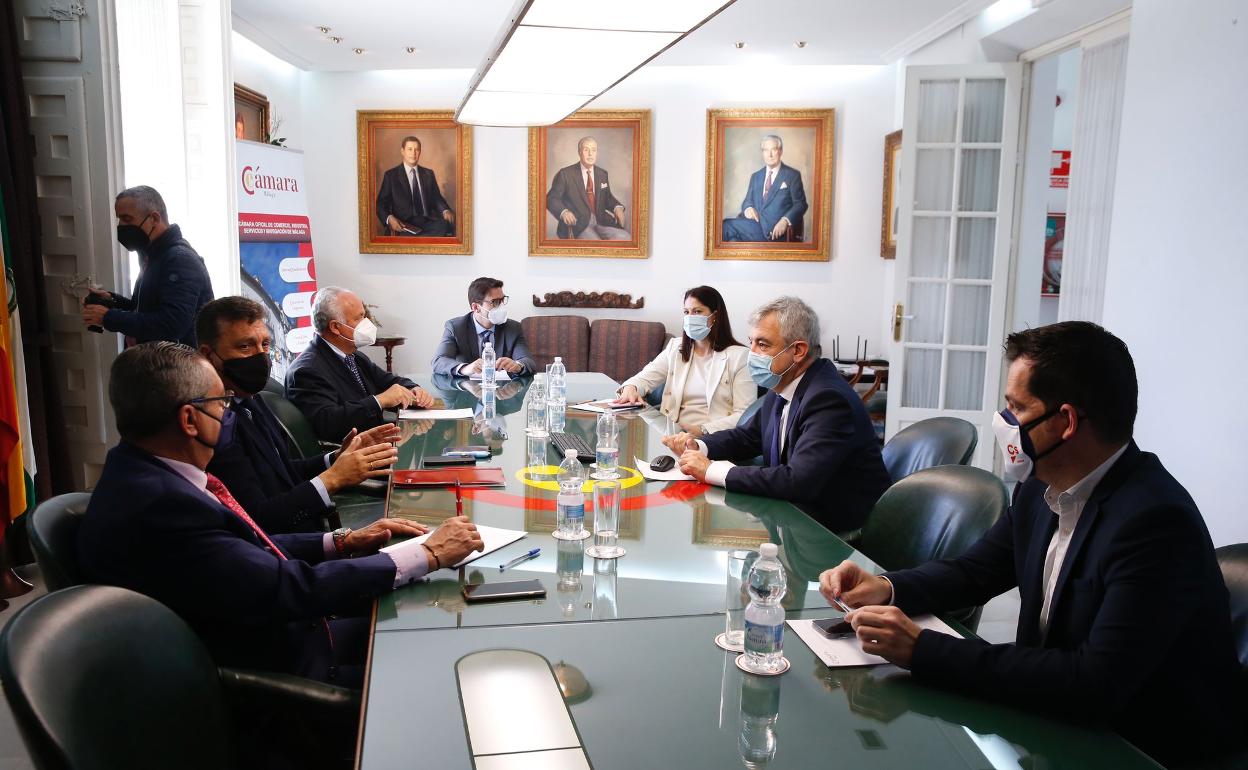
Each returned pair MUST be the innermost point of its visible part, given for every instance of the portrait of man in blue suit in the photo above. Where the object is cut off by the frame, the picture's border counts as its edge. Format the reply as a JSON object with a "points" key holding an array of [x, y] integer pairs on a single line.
{"points": [[774, 203]]}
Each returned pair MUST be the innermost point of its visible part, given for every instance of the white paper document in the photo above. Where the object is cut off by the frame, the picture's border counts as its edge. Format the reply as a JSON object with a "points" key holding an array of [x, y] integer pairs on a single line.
{"points": [[604, 405], [847, 651], [435, 414], [493, 538], [499, 376], [643, 467]]}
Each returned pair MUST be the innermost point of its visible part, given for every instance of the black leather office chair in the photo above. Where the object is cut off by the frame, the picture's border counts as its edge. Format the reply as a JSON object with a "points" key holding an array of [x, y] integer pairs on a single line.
{"points": [[929, 443], [1233, 559], [53, 530], [300, 438], [102, 677], [933, 514]]}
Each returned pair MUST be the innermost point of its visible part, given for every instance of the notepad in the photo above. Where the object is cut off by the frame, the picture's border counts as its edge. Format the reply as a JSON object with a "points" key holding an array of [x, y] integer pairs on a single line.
{"points": [[847, 651], [490, 476], [493, 538], [605, 405], [500, 375], [435, 414]]}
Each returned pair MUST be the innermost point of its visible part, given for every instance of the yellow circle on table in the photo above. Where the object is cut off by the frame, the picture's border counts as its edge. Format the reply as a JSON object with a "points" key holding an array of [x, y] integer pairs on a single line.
{"points": [[545, 477]]}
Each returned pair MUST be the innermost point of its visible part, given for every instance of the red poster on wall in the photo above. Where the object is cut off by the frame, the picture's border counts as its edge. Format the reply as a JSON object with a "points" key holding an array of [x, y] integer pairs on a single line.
{"points": [[1059, 168]]}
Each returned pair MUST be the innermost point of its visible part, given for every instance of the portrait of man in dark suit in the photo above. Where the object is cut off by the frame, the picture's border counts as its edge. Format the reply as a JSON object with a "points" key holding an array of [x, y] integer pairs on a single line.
{"points": [[774, 203], [581, 201], [409, 202]]}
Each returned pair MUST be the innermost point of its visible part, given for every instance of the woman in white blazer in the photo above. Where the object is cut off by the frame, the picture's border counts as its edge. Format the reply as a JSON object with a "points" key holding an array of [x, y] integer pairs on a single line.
{"points": [[707, 385]]}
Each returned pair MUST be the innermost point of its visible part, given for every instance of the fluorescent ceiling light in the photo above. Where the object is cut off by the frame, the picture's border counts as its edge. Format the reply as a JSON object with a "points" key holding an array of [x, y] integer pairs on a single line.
{"points": [[556, 56]]}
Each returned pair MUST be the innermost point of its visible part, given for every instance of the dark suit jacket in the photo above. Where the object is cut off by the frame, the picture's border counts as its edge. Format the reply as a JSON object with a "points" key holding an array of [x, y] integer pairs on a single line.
{"points": [[321, 385], [150, 530], [397, 197], [831, 464], [787, 197], [171, 289], [460, 345], [272, 486], [1139, 634], [567, 191]]}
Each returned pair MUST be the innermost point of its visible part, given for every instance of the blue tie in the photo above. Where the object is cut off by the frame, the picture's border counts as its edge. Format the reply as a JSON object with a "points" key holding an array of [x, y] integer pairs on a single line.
{"points": [[487, 337], [355, 372], [776, 415]]}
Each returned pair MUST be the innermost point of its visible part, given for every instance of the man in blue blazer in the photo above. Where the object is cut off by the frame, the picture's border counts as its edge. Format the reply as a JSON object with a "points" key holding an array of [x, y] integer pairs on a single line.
{"points": [[774, 201], [336, 386], [812, 431], [459, 352], [282, 493], [1124, 620], [158, 524]]}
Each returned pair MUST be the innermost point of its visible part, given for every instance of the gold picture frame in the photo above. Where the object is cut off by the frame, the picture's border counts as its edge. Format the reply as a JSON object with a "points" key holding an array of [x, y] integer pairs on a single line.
{"points": [[735, 172], [723, 527], [622, 139], [251, 114], [890, 209], [445, 152]]}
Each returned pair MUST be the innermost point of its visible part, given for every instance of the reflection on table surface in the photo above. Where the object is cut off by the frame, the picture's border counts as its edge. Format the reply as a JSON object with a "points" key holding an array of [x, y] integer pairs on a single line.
{"points": [[658, 693], [677, 534]]}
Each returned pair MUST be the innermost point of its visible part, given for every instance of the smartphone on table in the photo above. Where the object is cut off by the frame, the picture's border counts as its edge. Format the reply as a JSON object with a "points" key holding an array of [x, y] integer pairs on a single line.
{"points": [[511, 589]]}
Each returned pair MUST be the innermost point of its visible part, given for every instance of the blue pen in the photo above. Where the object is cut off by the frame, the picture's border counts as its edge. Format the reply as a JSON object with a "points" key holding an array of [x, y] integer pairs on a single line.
{"points": [[520, 558]]}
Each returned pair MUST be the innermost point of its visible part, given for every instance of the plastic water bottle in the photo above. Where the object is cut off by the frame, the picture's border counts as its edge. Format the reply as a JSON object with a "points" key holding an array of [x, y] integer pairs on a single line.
{"points": [[489, 402], [764, 618], [570, 504], [557, 389], [487, 366], [607, 454], [536, 409], [760, 710]]}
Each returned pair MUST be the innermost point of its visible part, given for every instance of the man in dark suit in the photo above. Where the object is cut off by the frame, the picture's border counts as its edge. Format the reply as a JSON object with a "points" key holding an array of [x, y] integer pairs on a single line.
{"points": [[774, 201], [1124, 620], [173, 282], [463, 338], [158, 524], [580, 198], [282, 493], [409, 201], [333, 383], [816, 440]]}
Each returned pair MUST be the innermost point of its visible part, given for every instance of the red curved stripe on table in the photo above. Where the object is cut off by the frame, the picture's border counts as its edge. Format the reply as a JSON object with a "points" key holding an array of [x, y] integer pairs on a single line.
{"points": [[676, 492]]}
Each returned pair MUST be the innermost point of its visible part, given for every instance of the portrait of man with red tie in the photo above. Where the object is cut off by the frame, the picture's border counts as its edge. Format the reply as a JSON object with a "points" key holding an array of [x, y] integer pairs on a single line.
{"points": [[581, 201], [775, 201]]}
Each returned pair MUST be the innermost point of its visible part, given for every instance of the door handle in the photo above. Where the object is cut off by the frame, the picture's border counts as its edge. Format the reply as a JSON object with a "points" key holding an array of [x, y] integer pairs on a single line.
{"points": [[898, 317]]}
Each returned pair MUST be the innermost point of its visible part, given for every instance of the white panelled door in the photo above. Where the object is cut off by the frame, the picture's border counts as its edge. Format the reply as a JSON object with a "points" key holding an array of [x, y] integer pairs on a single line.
{"points": [[959, 144]]}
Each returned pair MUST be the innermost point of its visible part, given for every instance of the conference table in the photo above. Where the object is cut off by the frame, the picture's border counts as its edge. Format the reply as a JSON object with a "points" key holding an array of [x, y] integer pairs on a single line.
{"points": [[626, 646]]}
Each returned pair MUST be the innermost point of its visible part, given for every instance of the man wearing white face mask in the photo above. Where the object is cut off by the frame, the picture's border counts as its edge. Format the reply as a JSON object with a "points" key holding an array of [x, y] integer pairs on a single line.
{"points": [[1124, 620], [818, 447], [463, 338], [337, 386]]}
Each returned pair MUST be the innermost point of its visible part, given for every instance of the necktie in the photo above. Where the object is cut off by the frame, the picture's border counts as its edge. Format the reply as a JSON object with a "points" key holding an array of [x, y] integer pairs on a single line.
{"points": [[418, 200], [767, 186], [218, 490], [487, 337], [355, 372], [589, 191], [776, 417]]}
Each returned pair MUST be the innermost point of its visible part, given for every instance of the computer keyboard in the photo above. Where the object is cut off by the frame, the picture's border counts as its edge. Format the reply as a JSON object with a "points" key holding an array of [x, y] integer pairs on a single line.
{"points": [[565, 441]]}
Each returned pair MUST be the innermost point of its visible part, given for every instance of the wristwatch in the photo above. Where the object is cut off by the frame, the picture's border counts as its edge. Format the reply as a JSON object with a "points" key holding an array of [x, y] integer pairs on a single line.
{"points": [[340, 539]]}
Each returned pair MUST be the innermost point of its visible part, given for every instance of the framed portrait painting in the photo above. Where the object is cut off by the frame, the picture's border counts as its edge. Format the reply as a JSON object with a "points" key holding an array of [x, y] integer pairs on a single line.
{"points": [[589, 185], [415, 182], [769, 184], [890, 210], [251, 114]]}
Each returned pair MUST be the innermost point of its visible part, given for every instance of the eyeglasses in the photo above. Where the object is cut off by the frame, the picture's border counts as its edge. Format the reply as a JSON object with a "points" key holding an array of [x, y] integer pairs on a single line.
{"points": [[496, 302], [224, 399]]}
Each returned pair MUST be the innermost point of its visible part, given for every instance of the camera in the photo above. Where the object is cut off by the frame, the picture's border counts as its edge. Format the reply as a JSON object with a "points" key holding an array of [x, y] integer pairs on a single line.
{"points": [[103, 299]]}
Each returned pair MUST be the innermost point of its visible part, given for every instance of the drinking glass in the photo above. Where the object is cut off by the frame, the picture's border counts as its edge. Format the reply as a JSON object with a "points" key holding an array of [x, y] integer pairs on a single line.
{"points": [[736, 597], [606, 521]]}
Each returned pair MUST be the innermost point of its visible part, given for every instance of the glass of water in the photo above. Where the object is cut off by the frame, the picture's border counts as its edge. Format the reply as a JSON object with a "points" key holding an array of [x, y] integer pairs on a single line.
{"points": [[606, 521], [736, 597]]}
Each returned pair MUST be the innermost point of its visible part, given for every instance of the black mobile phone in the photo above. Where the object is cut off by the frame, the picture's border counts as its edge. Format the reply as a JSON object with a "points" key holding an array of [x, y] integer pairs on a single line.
{"points": [[834, 626], [511, 589], [438, 462]]}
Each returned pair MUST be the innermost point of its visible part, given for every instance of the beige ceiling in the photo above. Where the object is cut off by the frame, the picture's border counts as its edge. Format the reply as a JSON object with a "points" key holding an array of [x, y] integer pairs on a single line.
{"points": [[459, 34]]}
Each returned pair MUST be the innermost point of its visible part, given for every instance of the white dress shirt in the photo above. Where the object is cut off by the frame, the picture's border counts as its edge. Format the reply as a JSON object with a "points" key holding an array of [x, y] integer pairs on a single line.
{"points": [[717, 473], [1068, 506]]}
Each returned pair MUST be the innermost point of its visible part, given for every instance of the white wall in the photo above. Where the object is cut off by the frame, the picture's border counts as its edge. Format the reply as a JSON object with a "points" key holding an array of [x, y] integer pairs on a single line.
{"points": [[417, 293], [1177, 258]]}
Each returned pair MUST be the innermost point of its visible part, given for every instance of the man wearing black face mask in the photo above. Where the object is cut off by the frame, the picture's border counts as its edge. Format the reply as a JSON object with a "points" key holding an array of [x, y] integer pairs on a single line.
{"points": [[283, 494], [173, 282], [1124, 620]]}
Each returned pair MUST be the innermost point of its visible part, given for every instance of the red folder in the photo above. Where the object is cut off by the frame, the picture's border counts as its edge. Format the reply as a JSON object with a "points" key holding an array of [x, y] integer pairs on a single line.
{"points": [[446, 477]]}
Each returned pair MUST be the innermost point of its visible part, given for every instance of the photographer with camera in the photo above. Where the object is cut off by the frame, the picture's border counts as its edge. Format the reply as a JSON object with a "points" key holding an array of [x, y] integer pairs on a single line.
{"points": [[173, 281]]}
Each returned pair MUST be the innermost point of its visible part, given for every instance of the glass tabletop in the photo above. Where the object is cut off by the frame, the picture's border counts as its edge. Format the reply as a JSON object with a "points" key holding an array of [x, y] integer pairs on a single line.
{"points": [[658, 693], [677, 535]]}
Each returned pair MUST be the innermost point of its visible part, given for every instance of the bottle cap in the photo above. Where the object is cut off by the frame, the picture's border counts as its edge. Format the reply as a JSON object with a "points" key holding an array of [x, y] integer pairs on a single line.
{"points": [[559, 359], [572, 453], [768, 550]]}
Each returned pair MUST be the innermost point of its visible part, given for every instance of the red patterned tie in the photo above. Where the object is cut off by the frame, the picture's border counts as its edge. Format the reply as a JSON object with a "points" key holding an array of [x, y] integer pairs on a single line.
{"points": [[219, 490], [767, 186], [589, 191]]}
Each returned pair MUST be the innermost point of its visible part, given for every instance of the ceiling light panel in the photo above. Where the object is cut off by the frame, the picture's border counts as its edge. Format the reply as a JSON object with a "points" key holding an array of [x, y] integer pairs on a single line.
{"points": [[489, 108], [570, 61], [653, 15]]}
